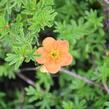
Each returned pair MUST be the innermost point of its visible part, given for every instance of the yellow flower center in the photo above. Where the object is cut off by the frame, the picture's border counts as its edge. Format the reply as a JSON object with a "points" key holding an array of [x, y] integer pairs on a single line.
{"points": [[54, 54]]}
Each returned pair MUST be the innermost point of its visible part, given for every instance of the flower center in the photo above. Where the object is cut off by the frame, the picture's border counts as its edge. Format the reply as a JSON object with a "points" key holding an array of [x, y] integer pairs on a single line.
{"points": [[54, 54]]}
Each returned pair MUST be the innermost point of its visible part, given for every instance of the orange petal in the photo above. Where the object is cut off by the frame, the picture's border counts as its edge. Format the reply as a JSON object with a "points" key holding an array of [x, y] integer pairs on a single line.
{"points": [[63, 45], [52, 68], [48, 43], [40, 59], [67, 59]]}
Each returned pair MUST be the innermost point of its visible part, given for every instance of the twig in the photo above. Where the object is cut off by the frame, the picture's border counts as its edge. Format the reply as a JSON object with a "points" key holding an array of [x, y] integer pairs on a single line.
{"points": [[105, 86], [27, 80], [73, 74], [77, 76], [82, 78], [29, 69]]}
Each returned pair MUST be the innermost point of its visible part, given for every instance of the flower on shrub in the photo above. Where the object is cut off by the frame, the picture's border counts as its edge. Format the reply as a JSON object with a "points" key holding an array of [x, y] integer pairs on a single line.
{"points": [[54, 54]]}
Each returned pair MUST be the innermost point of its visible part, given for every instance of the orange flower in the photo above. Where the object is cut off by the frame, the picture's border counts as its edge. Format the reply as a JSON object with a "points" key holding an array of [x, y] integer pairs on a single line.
{"points": [[54, 54]]}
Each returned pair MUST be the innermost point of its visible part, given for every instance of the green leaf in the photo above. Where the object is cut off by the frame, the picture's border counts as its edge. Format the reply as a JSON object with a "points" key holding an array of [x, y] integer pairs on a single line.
{"points": [[14, 59], [67, 105]]}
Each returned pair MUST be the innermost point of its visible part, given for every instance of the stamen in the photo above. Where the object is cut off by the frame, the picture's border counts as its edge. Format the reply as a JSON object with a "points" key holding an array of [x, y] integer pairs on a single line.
{"points": [[54, 54]]}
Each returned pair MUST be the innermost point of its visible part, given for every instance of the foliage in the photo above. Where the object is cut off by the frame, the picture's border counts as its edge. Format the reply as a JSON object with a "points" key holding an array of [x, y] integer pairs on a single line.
{"points": [[23, 26]]}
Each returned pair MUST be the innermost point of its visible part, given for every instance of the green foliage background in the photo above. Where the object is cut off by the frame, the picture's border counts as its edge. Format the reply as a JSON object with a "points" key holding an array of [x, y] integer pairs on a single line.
{"points": [[78, 21]]}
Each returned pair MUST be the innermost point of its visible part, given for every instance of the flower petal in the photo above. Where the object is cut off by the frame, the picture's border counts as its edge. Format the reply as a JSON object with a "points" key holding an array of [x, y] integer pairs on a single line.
{"points": [[67, 59], [48, 43], [41, 59], [52, 68], [63, 45]]}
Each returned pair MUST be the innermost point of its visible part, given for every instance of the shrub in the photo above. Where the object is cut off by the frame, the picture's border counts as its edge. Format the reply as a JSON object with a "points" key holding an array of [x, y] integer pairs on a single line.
{"points": [[79, 36]]}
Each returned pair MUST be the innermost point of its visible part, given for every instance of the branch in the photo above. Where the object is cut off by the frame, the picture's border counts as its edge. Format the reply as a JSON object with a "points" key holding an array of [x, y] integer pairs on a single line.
{"points": [[27, 80], [29, 69], [105, 86], [75, 75]]}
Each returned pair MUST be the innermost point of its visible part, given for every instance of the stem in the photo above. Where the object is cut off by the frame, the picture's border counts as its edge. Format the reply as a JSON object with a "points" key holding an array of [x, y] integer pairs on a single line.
{"points": [[29, 69], [77, 76], [27, 80], [71, 73], [86, 80], [105, 86]]}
